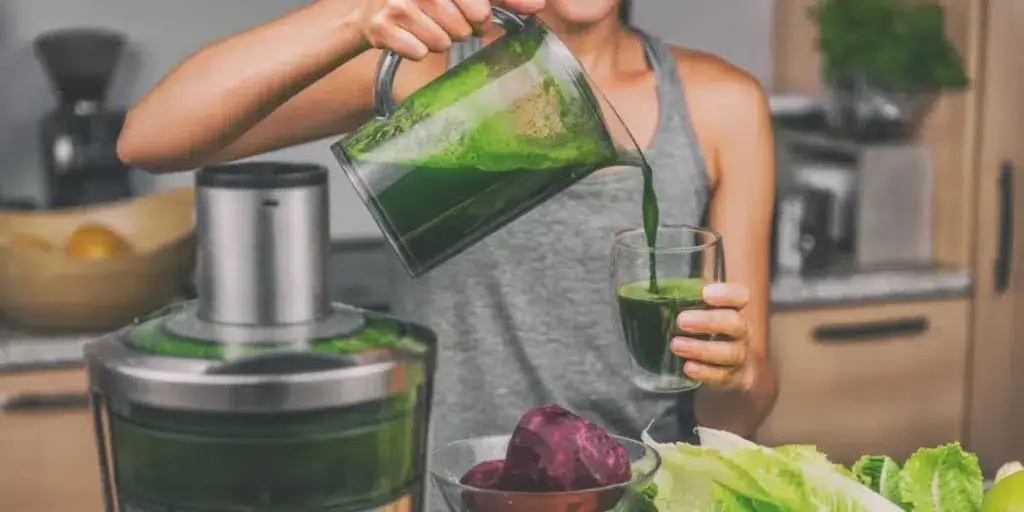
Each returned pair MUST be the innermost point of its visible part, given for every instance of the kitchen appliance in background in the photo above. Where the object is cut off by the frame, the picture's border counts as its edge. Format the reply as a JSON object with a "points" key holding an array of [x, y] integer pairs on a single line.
{"points": [[261, 394], [880, 195], [798, 112], [79, 137], [802, 243], [894, 221], [837, 178]]}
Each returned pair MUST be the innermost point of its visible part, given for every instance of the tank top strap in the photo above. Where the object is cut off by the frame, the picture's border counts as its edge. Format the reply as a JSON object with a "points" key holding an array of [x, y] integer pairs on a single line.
{"points": [[674, 113]]}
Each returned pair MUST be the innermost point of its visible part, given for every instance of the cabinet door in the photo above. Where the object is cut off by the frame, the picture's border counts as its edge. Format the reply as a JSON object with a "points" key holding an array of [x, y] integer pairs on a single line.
{"points": [[881, 379], [995, 428], [48, 460]]}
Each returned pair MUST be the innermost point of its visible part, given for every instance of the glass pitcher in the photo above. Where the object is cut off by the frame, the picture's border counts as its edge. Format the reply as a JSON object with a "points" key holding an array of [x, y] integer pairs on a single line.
{"points": [[497, 135]]}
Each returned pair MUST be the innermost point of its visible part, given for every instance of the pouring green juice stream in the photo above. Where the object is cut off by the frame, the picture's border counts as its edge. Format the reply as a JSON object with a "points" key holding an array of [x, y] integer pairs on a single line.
{"points": [[485, 142]]}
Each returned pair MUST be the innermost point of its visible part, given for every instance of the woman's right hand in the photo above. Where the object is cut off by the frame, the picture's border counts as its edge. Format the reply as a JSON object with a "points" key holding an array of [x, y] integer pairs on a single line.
{"points": [[415, 28]]}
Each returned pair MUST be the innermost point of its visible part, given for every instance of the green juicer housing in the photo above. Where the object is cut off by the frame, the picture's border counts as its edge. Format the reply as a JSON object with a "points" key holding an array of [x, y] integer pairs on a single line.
{"points": [[196, 416]]}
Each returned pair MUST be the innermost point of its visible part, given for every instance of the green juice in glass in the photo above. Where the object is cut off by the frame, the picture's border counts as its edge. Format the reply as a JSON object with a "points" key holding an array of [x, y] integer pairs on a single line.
{"points": [[649, 321]]}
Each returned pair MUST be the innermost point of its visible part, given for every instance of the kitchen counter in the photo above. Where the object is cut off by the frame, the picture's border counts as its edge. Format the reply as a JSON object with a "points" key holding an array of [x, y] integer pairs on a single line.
{"points": [[840, 285], [844, 286], [20, 351], [361, 272]]}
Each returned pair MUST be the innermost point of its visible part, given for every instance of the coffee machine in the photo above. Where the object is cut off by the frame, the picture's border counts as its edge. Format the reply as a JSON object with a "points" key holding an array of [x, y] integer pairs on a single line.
{"points": [[261, 395], [79, 137]]}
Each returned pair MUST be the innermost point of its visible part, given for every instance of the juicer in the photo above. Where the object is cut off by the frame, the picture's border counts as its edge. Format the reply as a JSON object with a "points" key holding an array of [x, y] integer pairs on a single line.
{"points": [[261, 395]]}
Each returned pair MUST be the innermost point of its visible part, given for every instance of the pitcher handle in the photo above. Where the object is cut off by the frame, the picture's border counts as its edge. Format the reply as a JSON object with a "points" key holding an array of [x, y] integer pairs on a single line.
{"points": [[383, 89]]}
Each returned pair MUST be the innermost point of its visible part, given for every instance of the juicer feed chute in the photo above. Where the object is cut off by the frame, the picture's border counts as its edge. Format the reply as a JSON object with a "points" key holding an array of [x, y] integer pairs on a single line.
{"points": [[261, 395]]}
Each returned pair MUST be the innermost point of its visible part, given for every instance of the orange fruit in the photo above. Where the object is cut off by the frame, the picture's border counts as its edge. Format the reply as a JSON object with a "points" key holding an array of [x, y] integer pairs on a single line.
{"points": [[96, 242], [26, 241]]}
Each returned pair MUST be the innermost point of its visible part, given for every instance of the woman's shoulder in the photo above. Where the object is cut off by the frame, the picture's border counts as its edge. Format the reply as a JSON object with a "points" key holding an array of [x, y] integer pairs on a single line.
{"points": [[711, 73], [722, 98]]}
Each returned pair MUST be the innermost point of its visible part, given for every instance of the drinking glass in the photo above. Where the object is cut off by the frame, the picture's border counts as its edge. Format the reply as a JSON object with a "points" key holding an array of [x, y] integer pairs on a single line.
{"points": [[449, 463], [652, 284]]}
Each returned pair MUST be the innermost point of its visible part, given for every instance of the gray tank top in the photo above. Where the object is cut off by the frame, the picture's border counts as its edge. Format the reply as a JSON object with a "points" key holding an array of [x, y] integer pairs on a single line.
{"points": [[525, 316]]}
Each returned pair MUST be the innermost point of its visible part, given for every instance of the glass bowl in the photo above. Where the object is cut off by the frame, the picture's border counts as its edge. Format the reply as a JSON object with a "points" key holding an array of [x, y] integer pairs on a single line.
{"points": [[451, 462]]}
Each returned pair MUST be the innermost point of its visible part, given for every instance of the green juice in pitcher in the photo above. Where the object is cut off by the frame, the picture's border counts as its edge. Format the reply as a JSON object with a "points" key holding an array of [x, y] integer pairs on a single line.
{"points": [[479, 146], [649, 320]]}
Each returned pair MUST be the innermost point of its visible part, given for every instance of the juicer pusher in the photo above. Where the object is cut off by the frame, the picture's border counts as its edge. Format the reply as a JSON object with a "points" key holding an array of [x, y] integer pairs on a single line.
{"points": [[262, 395]]}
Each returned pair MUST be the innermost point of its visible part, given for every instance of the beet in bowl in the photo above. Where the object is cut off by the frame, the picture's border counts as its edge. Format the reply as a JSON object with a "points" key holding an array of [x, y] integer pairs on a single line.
{"points": [[554, 461]]}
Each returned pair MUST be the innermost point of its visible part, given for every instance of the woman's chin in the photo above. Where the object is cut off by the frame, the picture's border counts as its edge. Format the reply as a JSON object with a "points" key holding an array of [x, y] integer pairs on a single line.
{"points": [[579, 12]]}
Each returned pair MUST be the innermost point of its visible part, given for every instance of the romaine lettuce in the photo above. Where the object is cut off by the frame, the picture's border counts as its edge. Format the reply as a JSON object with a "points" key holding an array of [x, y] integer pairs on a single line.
{"points": [[730, 474]]}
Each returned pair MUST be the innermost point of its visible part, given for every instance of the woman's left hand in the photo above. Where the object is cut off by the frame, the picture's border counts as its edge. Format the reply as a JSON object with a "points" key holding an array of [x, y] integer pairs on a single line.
{"points": [[723, 363]]}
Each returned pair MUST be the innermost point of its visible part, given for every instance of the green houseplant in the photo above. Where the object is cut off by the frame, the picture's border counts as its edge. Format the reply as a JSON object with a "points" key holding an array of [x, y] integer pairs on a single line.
{"points": [[899, 45], [885, 62]]}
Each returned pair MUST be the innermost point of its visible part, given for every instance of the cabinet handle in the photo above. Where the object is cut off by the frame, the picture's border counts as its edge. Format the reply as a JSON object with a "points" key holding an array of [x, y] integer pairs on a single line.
{"points": [[1004, 258], [868, 331], [42, 402]]}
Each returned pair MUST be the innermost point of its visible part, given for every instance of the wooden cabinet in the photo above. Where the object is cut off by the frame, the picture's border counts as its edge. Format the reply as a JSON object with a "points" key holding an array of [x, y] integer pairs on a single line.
{"points": [[877, 379], [995, 427], [976, 139], [48, 460]]}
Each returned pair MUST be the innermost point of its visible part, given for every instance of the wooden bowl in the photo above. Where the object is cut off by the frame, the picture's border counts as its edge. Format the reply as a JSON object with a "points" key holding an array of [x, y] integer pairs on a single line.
{"points": [[46, 289]]}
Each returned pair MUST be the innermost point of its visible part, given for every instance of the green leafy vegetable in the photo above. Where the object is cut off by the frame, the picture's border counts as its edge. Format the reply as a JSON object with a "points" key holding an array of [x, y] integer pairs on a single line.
{"points": [[881, 474], [942, 479], [727, 473], [730, 474]]}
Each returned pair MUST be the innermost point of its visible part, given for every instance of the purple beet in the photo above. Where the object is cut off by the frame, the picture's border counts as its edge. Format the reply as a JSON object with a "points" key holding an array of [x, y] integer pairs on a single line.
{"points": [[484, 475], [554, 450]]}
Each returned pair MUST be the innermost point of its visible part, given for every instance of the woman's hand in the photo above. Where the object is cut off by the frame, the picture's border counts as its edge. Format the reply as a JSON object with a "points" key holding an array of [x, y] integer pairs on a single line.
{"points": [[722, 363], [415, 28]]}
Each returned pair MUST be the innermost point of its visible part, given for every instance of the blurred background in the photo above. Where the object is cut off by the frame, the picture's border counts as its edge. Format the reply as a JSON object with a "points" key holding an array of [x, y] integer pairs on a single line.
{"points": [[895, 318]]}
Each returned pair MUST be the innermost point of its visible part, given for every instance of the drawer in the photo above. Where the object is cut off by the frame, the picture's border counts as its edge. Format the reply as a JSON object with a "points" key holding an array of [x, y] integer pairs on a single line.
{"points": [[882, 379], [48, 460]]}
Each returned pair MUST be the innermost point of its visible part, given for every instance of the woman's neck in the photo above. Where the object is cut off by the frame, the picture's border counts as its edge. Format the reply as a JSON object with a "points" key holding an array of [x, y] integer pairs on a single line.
{"points": [[598, 46]]}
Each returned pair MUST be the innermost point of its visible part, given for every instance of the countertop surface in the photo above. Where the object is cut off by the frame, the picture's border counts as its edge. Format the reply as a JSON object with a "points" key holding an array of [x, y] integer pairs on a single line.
{"points": [[845, 286], [361, 273]]}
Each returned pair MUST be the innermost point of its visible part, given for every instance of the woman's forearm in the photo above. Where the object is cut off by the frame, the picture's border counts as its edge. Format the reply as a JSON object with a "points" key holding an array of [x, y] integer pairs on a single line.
{"points": [[739, 412], [219, 93]]}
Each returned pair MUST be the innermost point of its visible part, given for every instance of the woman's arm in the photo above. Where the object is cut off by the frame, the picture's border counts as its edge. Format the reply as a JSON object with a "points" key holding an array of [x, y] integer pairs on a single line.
{"points": [[301, 77], [215, 105], [741, 210]]}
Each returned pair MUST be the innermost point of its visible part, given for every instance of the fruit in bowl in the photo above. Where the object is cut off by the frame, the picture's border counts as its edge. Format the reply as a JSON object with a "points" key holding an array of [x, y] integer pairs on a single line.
{"points": [[554, 461], [94, 241]]}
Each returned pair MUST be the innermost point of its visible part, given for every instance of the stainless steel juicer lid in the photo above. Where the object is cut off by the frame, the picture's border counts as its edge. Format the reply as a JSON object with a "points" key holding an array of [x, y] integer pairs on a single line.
{"points": [[262, 337], [292, 376]]}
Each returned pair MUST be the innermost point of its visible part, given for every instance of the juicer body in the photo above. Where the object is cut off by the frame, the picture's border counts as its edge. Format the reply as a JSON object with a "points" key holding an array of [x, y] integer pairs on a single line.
{"points": [[261, 395], [330, 440]]}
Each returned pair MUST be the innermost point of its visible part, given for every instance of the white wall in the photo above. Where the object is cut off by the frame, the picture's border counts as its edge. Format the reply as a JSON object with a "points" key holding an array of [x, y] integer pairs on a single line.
{"points": [[738, 30], [161, 33]]}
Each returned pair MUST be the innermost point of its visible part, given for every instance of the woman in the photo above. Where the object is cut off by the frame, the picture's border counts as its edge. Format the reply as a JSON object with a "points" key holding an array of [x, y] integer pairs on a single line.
{"points": [[522, 316]]}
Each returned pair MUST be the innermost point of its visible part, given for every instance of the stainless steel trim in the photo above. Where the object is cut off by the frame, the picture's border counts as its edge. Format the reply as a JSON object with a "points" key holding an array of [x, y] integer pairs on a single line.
{"points": [[120, 372], [262, 255], [340, 322]]}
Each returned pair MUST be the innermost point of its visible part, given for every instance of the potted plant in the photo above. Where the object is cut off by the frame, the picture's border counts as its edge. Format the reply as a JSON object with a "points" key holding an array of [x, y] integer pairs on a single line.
{"points": [[885, 62]]}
